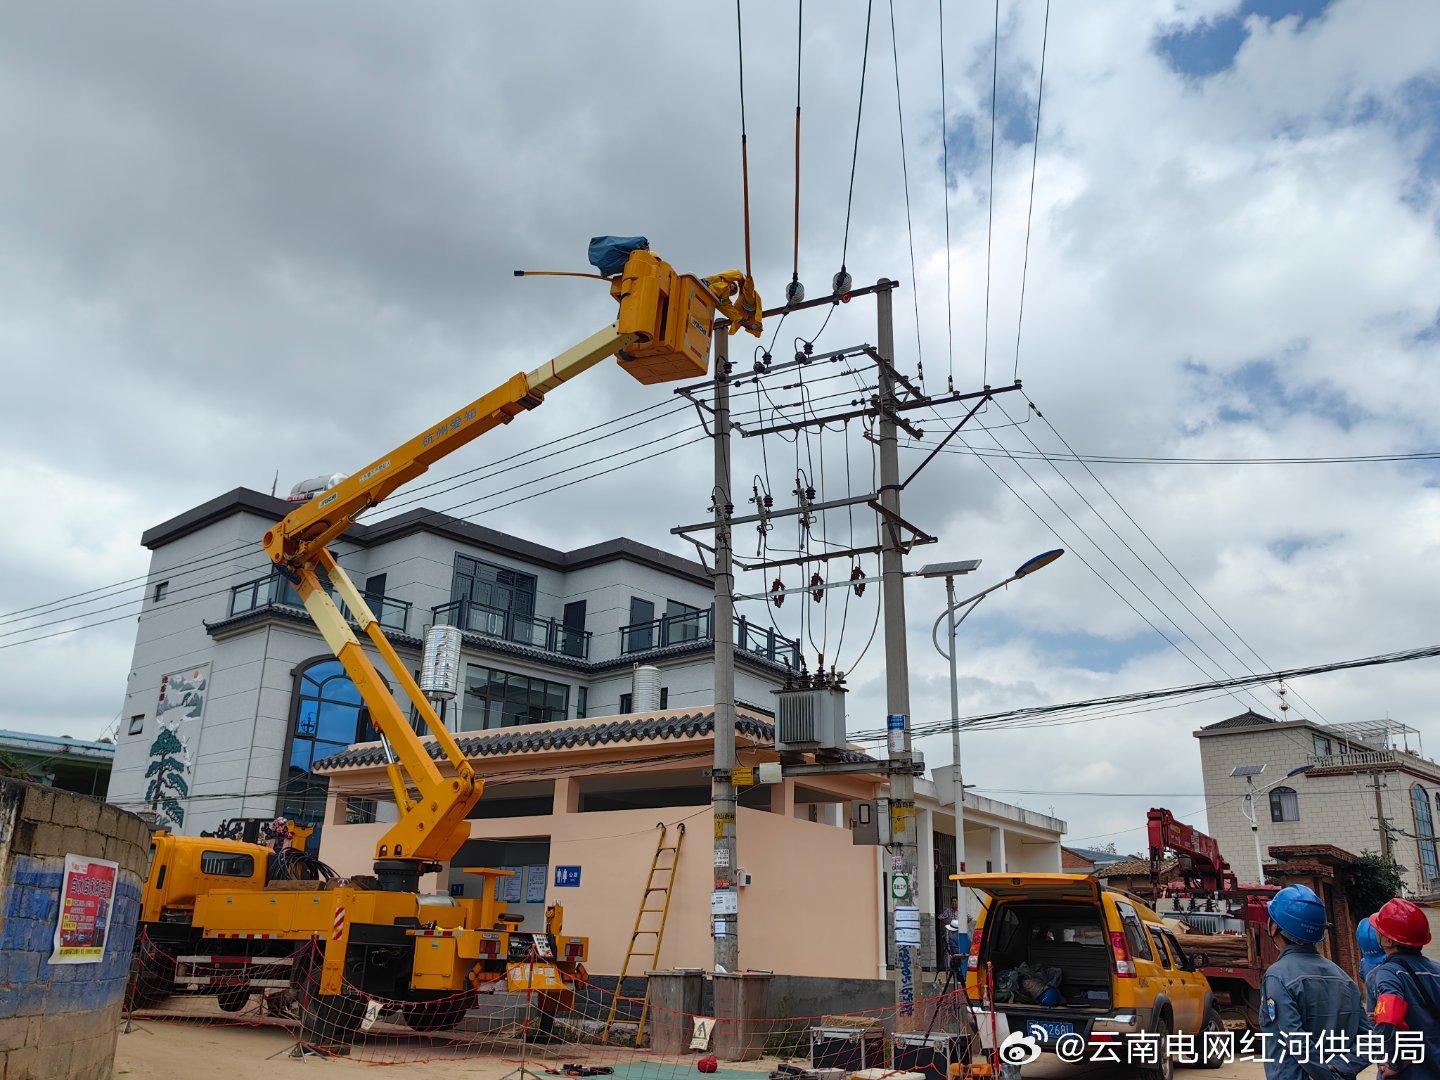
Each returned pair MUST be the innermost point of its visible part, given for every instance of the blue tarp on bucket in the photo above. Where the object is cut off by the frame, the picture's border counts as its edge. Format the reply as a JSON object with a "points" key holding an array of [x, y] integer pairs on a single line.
{"points": [[608, 253]]}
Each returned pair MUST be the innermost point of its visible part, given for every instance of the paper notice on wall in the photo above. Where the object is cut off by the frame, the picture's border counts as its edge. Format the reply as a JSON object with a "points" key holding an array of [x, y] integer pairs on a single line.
{"points": [[511, 888], [87, 894], [907, 925], [535, 878], [722, 856], [895, 732]]}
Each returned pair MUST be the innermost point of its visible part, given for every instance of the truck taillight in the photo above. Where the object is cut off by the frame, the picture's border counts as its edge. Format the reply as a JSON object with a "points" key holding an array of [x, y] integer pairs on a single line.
{"points": [[1124, 966], [489, 947], [575, 950], [973, 962]]}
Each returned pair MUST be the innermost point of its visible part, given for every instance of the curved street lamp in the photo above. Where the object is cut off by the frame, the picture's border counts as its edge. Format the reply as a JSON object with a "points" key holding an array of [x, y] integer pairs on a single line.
{"points": [[1249, 772], [948, 572]]}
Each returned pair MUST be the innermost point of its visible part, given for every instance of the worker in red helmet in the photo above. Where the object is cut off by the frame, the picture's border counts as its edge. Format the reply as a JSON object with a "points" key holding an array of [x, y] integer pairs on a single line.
{"points": [[1407, 993]]}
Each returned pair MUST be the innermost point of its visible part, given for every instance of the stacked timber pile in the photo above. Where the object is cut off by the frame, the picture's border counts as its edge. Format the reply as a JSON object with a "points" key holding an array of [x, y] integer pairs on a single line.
{"points": [[1221, 950]]}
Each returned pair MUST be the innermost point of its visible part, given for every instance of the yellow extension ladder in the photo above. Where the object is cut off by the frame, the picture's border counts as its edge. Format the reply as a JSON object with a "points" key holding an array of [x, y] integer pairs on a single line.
{"points": [[661, 881]]}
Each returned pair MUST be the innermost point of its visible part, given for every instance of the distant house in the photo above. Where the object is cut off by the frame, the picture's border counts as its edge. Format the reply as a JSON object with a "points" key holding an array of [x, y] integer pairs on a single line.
{"points": [[59, 761], [1133, 875], [1087, 860], [1363, 786]]}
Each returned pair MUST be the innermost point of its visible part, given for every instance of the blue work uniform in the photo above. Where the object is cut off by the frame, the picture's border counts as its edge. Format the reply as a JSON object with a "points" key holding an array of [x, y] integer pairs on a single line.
{"points": [[1306, 996], [1406, 993]]}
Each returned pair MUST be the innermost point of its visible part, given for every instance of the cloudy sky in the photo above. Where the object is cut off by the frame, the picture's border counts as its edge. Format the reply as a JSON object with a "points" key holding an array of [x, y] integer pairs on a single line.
{"points": [[236, 243]]}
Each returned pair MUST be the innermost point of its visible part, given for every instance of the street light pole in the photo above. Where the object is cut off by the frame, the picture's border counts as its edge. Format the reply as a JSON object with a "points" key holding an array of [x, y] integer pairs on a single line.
{"points": [[1249, 772], [957, 776], [1254, 826], [949, 571]]}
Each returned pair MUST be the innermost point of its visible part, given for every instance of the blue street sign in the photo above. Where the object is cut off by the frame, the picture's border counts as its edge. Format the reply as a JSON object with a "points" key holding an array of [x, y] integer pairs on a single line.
{"points": [[567, 877]]}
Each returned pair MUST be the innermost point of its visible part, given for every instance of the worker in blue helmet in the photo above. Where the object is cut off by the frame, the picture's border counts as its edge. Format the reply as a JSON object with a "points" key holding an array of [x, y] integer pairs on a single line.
{"points": [[1371, 954], [1310, 1010]]}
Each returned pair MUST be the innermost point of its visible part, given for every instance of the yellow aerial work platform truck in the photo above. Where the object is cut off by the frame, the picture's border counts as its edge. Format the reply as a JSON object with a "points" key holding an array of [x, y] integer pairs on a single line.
{"points": [[230, 918]]}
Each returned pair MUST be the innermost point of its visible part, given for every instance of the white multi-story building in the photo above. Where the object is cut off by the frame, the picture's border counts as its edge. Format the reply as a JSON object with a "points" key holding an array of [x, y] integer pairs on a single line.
{"points": [[233, 695], [1362, 787], [237, 709]]}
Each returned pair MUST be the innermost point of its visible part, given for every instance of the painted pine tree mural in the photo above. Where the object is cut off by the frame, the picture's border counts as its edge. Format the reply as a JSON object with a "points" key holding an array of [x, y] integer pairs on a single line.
{"points": [[168, 766]]}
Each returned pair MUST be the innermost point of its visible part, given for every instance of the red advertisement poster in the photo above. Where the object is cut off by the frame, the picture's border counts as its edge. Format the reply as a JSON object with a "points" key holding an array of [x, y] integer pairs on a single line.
{"points": [[86, 897]]}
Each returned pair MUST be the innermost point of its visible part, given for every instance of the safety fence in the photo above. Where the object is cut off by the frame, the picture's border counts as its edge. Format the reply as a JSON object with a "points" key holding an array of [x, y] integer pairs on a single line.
{"points": [[279, 985]]}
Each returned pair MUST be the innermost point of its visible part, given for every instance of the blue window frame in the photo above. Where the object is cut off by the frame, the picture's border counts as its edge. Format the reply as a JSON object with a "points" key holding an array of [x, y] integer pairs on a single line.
{"points": [[328, 716], [1425, 833]]}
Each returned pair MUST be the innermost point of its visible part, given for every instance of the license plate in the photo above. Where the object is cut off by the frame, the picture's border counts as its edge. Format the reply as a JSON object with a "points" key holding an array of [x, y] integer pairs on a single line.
{"points": [[1049, 1030]]}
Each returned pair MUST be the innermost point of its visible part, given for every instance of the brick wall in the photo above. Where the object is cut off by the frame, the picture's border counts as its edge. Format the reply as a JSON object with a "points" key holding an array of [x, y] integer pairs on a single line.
{"points": [[61, 1020]]}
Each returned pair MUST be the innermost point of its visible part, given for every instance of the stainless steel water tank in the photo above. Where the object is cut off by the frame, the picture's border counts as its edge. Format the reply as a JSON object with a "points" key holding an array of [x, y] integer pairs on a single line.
{"points": [[440, 667]]}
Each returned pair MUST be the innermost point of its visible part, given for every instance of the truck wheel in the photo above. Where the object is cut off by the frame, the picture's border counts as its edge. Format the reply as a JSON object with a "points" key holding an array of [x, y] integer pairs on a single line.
{"points": [[1166, 1069], [428, 1016], [232, 999], [152, 977], [327, 1021], [1213, 1023]]}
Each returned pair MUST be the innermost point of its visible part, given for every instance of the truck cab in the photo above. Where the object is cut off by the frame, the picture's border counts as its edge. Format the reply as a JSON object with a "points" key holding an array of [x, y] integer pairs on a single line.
{"points": [[183, 868]]}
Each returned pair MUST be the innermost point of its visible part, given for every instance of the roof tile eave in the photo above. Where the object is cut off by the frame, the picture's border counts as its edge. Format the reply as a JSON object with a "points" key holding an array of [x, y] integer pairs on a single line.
{"points": [[571, 737]]}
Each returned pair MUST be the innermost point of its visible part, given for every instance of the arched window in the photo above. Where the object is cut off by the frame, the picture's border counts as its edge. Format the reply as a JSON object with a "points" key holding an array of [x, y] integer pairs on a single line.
{"points": [[327, 716], [1425, 833], [1284, 804]]}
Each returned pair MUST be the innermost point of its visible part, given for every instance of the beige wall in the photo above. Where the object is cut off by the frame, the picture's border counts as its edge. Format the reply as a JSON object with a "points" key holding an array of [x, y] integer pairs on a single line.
{"points": [[813, 887]]}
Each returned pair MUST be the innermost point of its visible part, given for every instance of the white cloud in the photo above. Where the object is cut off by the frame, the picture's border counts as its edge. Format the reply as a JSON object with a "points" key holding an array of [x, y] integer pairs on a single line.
{"points": [[283, 240]]}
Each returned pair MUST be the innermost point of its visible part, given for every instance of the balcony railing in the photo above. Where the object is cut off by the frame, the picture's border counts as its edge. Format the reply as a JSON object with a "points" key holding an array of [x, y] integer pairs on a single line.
{"points": [[544, 634], [764, 641], [251, 595], [760, 641], [1357, 759], [667, 630], [389, 612]]}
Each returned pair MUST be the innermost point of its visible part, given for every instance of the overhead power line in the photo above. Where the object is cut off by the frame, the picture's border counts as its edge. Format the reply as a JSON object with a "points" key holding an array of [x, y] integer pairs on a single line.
{"points": [[905, 177], [1030, 209], [855, 150], [1095, 510], [990, 198], [1142, 459], [495, 494], [1008, 717]]}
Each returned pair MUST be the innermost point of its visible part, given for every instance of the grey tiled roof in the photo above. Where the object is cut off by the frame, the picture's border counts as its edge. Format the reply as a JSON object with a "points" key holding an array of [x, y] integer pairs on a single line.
{"points": [[298, 615], [1245, 719], [632, 728]]}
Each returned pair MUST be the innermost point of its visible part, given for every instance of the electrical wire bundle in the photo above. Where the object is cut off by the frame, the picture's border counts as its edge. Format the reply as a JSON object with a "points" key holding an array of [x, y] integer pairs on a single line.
{"points": [[291, 864]]}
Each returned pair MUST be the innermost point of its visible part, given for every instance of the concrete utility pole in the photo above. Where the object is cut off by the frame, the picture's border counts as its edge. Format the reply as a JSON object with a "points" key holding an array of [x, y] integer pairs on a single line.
{"points": [[725, 900], [904, 858], [1382, 822]]}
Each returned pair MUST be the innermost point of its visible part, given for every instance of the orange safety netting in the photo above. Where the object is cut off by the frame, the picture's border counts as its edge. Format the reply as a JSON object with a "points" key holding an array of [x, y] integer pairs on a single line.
{"points": [[278, 985]]}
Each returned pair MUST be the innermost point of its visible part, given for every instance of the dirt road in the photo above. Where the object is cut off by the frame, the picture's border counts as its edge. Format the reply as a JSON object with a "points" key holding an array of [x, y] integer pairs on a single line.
{"points": [[163, 1050]]}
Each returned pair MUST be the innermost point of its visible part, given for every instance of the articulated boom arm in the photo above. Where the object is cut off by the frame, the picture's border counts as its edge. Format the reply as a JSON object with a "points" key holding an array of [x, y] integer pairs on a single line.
{"points": [[1208, 871], [662, 334]]}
